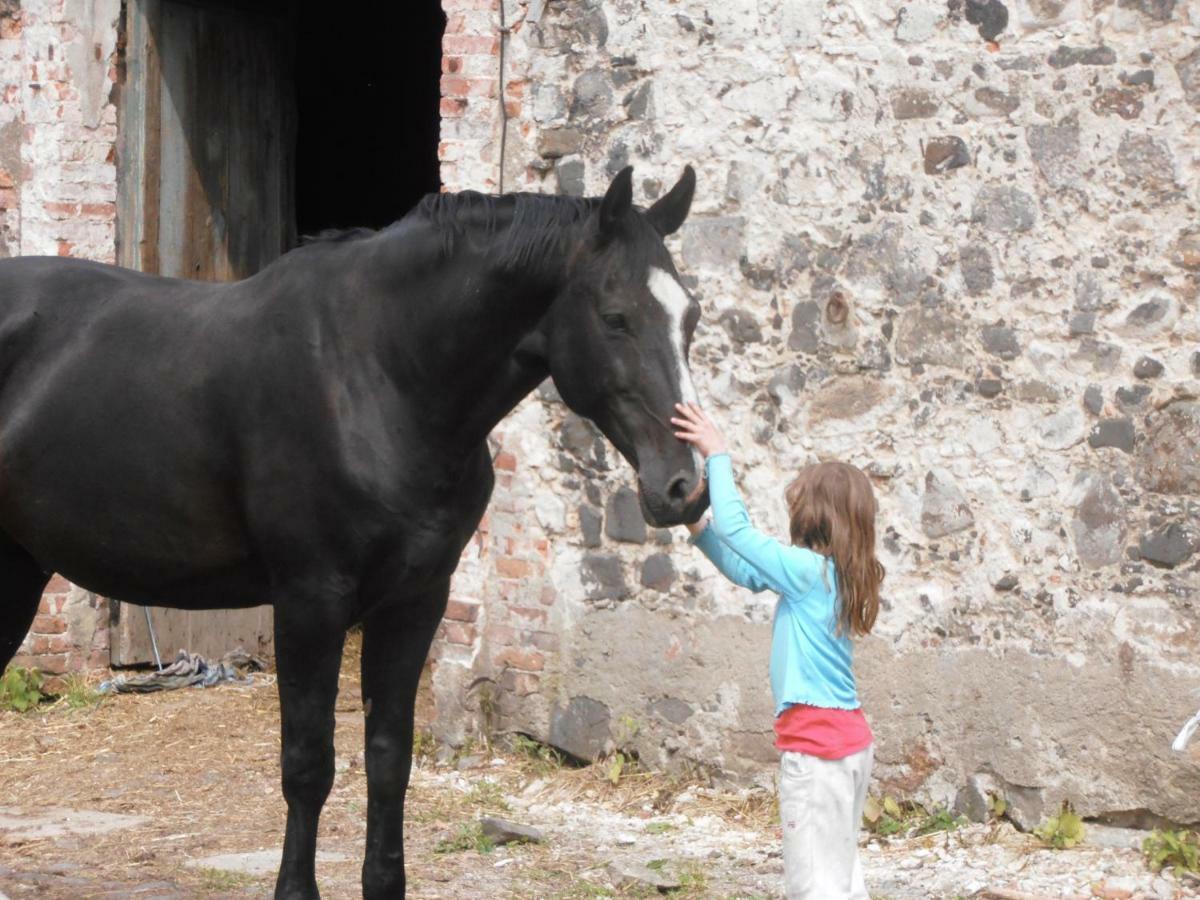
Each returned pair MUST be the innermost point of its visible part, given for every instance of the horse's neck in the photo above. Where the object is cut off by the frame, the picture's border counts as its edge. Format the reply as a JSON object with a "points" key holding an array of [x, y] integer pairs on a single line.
{"points": [[459, 327]]}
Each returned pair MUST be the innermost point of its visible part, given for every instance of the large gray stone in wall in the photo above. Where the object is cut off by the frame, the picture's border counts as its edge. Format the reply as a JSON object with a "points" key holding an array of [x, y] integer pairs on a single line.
{"points": [[713, 243], [555, 143], [583, 440], [586, 19], [1118, 433], [549, 103], [1089, 291], [603, 577], [1065, 57], [639, 104], [623, 519], [590, 523], [593, 94], [1001, 341], [1025, 806], [1149, 317], [932, 337], [1098, 356], [1055, 151], [1158, 10], [944, 508], [1170, 545], [1098, 525], [1004, 210], [945, 154], [1188, 70], [672, 709], [976, 265], [744, 180], [846, 397], [888, 257], [914, 103], [581, 728], [1146, 161], [741, 326], [570, 176], [806, 324], [1168, 460], [658, 572]]}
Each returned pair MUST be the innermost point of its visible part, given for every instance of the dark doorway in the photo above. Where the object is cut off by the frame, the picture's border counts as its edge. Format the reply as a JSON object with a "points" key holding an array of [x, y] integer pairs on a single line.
{"points": [[368, 90]]}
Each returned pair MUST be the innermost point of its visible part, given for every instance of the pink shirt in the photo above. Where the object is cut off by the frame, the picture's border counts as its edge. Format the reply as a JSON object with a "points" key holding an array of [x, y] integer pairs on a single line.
{"points": [[818, 731]]}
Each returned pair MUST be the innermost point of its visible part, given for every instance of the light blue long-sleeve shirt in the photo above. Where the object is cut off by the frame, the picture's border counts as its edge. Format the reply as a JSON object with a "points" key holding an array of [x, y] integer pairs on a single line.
{"points": [[810, 662]]}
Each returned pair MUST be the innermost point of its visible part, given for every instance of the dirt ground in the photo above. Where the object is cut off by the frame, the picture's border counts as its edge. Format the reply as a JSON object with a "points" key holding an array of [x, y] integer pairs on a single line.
{"points": [[201, 767]]}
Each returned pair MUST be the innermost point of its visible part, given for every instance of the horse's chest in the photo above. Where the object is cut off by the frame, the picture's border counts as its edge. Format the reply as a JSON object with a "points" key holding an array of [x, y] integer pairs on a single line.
{"points": [[437, 516]]}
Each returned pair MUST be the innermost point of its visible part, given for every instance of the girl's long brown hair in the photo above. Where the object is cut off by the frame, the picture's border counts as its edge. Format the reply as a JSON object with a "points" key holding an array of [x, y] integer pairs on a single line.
{"points": [[832, 510]]}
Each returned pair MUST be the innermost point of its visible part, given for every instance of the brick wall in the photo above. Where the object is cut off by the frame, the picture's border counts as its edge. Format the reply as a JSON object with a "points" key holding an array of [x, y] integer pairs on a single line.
{"points": [[58, 197], [69, 633], [469, 108]]}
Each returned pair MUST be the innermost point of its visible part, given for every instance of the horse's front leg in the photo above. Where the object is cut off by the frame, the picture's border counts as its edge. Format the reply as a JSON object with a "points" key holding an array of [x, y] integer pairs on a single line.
{"points": [[396, 638], [309, 635]]}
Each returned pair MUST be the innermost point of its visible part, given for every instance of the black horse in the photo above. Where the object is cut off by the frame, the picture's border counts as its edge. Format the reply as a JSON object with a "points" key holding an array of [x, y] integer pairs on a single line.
{"points": [[315, 437]]}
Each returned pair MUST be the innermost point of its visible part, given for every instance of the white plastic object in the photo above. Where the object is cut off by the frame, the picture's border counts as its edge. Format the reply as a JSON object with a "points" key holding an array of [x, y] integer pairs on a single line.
{"points": [[1185, 734]]}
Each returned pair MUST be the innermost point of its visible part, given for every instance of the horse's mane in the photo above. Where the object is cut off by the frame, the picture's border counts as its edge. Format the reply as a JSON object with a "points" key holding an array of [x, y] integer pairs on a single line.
{"points": [[336, 236], [520, 229]]}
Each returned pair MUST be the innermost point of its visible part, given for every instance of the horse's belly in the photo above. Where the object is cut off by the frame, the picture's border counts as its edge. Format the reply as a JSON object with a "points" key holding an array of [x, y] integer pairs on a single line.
{"points": [[117, 528]]}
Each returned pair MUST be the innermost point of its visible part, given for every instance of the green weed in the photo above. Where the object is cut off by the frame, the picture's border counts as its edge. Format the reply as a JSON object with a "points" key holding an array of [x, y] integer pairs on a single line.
{"points": [[885, 816], [545, 758], [424, 745], [940, 820], [78, 694], [1168, 847], [21, 689], [1062, 831], [693, 879], [889, 816], [487, 794], [466, 836], [222, 880]]}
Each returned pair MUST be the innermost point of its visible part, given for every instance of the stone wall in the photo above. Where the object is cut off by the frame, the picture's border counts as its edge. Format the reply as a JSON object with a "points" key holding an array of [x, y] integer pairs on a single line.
{"points": [[58, 190], [952, 243]]}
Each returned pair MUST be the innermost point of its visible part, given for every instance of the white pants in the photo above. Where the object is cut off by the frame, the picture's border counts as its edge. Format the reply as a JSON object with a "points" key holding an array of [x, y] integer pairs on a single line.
{"points": [[821, 807]]}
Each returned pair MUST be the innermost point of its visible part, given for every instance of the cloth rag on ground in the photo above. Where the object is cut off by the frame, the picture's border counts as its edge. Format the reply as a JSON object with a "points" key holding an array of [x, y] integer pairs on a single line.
{"points": [[189, 670]]}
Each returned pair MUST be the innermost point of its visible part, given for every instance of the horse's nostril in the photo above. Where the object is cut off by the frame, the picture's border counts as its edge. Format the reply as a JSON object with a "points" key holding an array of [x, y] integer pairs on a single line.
{"points": [[679, 488]]}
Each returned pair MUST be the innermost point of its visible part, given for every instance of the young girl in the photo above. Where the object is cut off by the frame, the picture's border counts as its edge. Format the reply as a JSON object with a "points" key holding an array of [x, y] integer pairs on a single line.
{"points": [[828, 584]]}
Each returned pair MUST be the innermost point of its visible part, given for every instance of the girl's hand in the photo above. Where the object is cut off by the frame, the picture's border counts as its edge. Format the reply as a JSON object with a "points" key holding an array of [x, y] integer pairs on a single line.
{"points": [[698, 430]]}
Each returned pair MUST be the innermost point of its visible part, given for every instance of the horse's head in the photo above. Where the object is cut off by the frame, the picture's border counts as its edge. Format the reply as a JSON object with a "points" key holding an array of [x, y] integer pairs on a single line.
{"points": [[618, 343]]}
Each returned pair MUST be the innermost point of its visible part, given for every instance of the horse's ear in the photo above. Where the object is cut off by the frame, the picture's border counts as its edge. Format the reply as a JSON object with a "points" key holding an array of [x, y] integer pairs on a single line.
{"points": [[669, 211], [617, 202]]}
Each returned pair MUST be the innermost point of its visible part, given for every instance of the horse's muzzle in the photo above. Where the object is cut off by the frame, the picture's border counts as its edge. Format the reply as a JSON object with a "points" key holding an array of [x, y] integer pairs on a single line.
{"points": [[682, 503]]}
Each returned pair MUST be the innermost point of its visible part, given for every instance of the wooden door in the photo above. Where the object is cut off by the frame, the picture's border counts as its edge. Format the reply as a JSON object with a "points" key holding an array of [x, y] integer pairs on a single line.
{"points": [[207, 132]]}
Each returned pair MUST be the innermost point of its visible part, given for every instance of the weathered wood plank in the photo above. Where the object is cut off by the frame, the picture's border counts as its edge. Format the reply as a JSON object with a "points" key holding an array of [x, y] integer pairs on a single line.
{"points": [[206, 169]]}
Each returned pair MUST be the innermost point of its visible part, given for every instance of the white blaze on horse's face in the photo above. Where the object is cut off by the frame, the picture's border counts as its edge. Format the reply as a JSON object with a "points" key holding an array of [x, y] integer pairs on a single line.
{"points": [[675, 303]]}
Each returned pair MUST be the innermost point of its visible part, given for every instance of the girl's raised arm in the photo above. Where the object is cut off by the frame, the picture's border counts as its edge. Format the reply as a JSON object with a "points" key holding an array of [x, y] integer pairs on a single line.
{"points": [[780, 566]]}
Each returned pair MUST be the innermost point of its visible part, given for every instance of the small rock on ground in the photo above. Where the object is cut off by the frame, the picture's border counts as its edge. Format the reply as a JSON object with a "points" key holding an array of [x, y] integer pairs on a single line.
{"points": [[625, 873], [501, 831]]}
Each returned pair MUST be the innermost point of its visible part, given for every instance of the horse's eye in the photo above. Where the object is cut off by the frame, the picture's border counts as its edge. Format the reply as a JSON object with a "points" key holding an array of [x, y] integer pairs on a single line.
{"points": [[616, 322]]}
